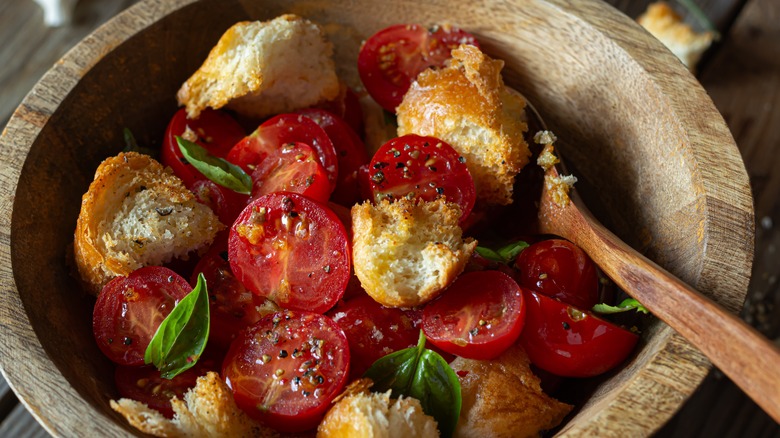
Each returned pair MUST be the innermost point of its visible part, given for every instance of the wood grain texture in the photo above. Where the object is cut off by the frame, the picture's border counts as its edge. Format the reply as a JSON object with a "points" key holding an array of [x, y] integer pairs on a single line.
{"points": [[647, 391]]}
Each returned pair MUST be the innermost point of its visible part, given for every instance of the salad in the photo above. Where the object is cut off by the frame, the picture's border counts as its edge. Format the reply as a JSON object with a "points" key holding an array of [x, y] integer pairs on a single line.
{"points": [[408, 270]]}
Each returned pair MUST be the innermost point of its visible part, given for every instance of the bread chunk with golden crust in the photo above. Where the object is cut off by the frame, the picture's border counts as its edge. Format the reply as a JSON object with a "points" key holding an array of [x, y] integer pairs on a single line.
{"points": [[137, 213], [358, 413], [666, 25], [467, 105], [263, 68], [406, 252], [207, 411], [503, 398]]}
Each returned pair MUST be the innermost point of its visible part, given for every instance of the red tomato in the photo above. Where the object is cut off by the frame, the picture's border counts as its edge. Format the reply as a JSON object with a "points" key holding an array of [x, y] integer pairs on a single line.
{"points": [[350, 151], [291, 168], [286, 369], [392, 58], [567, 342], [144, 384], [282, 129], [292, 250], [421, 166], [224, 202], [478, 317], [347, 106], [129, 310], [560, 269], [215, 130], [373, 331], [232, 306]]}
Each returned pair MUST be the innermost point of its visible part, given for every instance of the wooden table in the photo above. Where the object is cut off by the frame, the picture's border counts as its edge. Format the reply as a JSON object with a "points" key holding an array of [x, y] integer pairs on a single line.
{"points": [[741, 73]]}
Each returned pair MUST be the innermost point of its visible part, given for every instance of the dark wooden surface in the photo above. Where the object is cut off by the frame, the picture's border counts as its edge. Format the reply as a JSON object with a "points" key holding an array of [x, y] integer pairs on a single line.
{"points": [[741, 73]]}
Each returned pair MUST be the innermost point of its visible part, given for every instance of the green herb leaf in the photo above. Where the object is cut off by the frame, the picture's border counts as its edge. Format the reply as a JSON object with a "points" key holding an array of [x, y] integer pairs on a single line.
{"points": [[423, 374], [511, 251], [181, 338], [132, 146], [214, 168], [506, 254], [624, 306]]}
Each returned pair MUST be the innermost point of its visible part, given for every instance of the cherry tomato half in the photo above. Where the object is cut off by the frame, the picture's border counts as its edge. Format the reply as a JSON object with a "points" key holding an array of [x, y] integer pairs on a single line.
{"points": [[478, 317], [129, 310], [347, 106], [373, 330], [213, 129], [392, 58], [292, 250], [560, 269], [350, 151], [286, 369], [291, 168], [232, 306], [280, 130], [424, 167], [568, 342]]}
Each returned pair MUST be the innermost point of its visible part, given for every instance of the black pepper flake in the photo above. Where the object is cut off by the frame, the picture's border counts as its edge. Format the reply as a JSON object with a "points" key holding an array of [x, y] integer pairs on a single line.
{"points": [[381, 165], [432, 168], [306, 393], [426, 144], [127, 341], [440, 190], [461, 159], [170, 279], [164, 211], [288, 204], [474, 331], [400, 165], [140, 189], [395, 152], [282, 354], [296, 380], [378, 177], [293, 214], [224, 255], [566, 325]]}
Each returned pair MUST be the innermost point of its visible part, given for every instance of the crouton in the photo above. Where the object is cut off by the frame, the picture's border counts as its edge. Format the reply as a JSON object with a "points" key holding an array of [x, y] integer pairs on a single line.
{"points": [[666, 25], [503, 398], [467, 105], [137, 213], [207, 411], [406, 252], [263, 68], [358, 413]]}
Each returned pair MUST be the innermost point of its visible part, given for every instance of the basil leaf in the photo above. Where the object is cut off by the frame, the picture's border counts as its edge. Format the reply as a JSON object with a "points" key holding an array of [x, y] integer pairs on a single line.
{"points": [[181, 338], [423, 374], [489, 254], [132, 146], [624, 306], [511, 251], [506, 254], [214, 168]]}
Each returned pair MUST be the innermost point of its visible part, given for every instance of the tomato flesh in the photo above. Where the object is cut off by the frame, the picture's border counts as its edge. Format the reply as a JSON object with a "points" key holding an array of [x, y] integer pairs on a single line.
{"points": [[224, 202], [425, 167], [214, 130], [292, 250], [560, 269], [372, 330], [478, 317], [351, 154], [129, 310], [232, 307], [286, 369], [392, 58], [568, 342], [291, 168], [280, 130]]}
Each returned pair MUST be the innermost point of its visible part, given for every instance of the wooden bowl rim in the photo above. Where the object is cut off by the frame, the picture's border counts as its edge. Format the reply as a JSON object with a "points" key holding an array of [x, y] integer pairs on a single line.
{"points": [[23, 354]]}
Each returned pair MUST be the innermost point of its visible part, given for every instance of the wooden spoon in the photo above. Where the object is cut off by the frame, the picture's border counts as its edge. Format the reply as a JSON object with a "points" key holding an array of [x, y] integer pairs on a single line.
{"points": [[737, 349]]}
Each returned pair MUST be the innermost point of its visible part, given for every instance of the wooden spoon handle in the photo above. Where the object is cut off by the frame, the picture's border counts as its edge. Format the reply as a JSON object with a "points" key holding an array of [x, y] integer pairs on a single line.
{"points": [[737, 349]]}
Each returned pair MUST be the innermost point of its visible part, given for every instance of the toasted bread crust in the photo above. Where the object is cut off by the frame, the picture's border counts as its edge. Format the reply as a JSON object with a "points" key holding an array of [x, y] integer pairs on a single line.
{"points": [[136, 213], [264, 68], [467, 105], [358, 413], [503, 398], [406, 252]]}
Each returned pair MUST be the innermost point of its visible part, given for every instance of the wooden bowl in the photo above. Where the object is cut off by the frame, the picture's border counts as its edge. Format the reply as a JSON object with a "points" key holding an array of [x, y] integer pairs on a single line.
{"points": [[641, 131]]}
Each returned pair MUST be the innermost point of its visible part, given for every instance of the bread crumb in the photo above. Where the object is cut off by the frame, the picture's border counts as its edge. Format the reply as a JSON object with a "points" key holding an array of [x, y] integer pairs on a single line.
{"points": [[665, 24]]}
